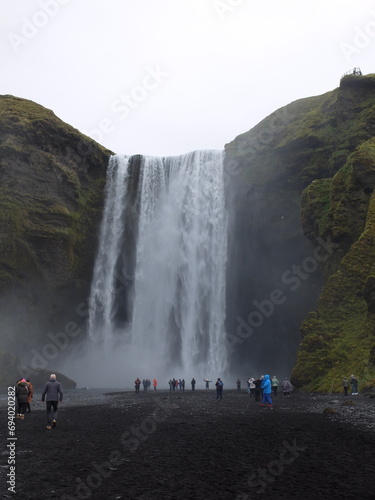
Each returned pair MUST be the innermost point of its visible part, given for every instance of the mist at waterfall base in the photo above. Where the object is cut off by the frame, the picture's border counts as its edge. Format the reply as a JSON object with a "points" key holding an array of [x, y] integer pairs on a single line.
{"points": [[157, 305]]}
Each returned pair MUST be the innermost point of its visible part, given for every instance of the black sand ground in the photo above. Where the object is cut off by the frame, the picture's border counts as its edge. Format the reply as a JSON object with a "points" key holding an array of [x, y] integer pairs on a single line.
{"points": [[189, 446]]}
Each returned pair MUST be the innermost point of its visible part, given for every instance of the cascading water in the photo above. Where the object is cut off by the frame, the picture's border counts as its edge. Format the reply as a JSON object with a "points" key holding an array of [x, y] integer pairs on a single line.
{"points": [[158, 290]]}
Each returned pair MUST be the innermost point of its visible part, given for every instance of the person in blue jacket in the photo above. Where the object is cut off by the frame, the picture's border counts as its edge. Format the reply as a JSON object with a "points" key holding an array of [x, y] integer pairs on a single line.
{"points": [[267, 390]]}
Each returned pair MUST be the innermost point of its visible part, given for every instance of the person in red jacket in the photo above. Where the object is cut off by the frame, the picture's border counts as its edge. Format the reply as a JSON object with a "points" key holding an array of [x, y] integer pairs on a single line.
{"points": [[137, 385], [155, 384]]}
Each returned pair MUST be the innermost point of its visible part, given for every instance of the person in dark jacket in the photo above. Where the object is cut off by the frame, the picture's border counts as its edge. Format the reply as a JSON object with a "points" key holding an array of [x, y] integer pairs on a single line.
{"points": [[52, 393], [257, 384], [22, 393], [219, 388], [354, 384], [137, 384]]}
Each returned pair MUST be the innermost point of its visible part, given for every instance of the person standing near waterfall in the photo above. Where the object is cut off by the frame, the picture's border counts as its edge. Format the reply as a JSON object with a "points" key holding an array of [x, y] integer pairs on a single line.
{"points": [[207, 383], [219, 388], [267, 390]]}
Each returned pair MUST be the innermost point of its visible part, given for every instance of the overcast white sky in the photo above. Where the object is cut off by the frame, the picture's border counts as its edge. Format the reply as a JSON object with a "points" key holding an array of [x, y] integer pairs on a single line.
{"points": [[164, 77]]}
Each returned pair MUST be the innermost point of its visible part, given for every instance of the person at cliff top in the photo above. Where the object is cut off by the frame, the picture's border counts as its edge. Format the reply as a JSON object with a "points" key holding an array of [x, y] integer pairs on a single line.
{"points": [[52, 393], [267, 389], [22, 394], [275, 385], [354, 384]]}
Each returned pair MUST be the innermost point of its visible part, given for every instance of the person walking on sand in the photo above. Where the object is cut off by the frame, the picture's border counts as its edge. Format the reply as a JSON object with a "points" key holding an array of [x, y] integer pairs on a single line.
{"points": [[345, 385], [286, 387], [267, 390], [52, 393], [22, 394], [354, 384], [219, 388]]}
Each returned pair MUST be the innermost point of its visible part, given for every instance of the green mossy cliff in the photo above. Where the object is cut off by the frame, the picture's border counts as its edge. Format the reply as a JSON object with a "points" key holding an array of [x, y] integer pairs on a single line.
{"points": [[52, 179], [314, 161]]}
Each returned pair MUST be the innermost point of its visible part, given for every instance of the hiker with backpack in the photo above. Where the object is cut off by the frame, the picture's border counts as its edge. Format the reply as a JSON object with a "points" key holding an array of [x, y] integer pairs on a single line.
{"points": [[219, 388]]}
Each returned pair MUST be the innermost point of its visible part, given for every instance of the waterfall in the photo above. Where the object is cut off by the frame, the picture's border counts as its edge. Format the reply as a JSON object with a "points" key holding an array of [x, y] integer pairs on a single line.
{"points": [[158, 288]]}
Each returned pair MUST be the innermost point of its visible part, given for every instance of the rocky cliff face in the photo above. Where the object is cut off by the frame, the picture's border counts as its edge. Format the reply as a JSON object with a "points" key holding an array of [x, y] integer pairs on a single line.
{"points": [[313, 161], [51, 194]]}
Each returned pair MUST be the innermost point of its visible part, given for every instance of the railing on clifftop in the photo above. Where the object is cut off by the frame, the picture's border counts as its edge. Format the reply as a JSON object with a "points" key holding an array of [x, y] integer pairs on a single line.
{"points": [[354, 71]]}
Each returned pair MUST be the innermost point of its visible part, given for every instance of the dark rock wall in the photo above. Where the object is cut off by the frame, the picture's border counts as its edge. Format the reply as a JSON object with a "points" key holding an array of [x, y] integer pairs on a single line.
{"points": [[52, 180]]}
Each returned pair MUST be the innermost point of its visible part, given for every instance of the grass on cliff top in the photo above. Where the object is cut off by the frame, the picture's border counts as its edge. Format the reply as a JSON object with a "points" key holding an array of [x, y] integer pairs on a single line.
{"points": [[16, 112]]}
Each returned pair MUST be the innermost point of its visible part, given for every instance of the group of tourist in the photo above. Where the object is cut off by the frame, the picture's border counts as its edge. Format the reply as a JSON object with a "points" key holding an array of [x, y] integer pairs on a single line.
{"points": [[354, 384], [146, 382], [52, 394], [255, 390], [178, 384]]}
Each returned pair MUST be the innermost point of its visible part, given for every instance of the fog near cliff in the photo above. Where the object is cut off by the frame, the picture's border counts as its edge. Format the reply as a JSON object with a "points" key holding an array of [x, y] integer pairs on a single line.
{"points": [[199, 72]]}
